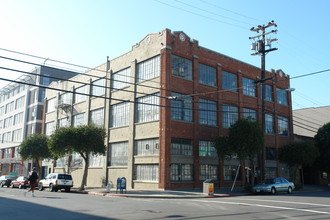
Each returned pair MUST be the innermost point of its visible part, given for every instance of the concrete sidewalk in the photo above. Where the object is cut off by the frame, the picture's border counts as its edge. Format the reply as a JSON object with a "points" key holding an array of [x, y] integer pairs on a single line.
{"points": [[183, 194]]}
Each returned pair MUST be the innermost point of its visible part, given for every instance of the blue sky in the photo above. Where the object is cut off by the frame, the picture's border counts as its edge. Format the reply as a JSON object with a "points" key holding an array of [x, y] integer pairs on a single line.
{"points": [[85, 32]]}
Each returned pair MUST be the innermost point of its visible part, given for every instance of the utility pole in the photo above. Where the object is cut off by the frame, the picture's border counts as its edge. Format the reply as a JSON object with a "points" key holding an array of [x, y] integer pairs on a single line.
{"points": [[260, 47]]}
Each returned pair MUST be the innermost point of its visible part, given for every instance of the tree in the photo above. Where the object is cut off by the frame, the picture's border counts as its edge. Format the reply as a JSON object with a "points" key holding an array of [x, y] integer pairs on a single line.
{"points": [[322, 142], [297, 155], [35, 148], [85, 140], [245, 140]]}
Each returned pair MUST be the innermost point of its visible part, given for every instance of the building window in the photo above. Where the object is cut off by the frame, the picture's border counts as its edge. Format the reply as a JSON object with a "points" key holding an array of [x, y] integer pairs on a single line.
{"points": [[207, 75], [95, 160], [65, 98], [270, 172], [230, 172], [249, 87], [61, 162], [121, 79], [207, 149], [229, 81], [181, 107], [146, 172], [45, 80], [269, 124], [181, 147], [80, 94], [148, 108], [208, 112], [9, 107], [269, 93], [20, 102], [51, 105], [6, 137], [181, 67], [282, 97], [63, 122], [120, 114], [181, 172], [147, 147], [229, 115], [97, 117], [6, 153], [16, 153], [208, 172], [8, 122], [18, 118], [49, 128], [250, 114], [270, 153], [79, 120], [148, 69], [283, 126], [17, 135], [76, 160], [98, 87], [118, 154]]}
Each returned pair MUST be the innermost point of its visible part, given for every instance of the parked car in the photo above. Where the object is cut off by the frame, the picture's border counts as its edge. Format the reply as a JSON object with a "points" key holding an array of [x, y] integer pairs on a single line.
{"points": [[5, 180], [21, 182], [56, 181], [273, 186]]}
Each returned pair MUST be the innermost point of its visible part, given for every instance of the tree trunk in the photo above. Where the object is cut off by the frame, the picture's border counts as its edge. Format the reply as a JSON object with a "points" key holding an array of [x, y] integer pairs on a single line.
{"points": [[84, 179]]}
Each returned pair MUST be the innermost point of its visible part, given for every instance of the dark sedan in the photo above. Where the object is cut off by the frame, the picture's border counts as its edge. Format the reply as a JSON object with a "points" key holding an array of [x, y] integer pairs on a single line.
{"points": [[5, 180], [272, 186]]}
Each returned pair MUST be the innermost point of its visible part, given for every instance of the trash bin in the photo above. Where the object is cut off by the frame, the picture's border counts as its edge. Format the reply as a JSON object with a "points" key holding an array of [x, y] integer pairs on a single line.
{"points": [[208, 187]]}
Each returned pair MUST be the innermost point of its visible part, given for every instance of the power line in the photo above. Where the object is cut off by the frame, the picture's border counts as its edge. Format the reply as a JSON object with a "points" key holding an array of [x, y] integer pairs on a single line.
{"points": [[194, 13], [122, 100], [62, 62], [236, 13], [211, 12]]}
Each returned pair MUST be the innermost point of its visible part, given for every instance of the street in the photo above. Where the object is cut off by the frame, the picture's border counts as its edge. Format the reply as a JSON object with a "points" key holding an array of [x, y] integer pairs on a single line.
{"points": [[61, 205]]}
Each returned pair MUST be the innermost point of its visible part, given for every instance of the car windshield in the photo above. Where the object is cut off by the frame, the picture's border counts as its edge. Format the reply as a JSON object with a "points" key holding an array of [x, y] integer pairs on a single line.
{"points": [[64, 176]]}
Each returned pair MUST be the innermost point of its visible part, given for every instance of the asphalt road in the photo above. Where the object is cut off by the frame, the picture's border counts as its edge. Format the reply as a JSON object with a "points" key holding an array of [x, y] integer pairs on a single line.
{"points": [[66, 206]]}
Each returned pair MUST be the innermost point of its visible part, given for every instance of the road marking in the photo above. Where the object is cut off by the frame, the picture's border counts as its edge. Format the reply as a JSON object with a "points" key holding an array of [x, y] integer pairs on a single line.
{"points": [[265, 206], [278, 201]]}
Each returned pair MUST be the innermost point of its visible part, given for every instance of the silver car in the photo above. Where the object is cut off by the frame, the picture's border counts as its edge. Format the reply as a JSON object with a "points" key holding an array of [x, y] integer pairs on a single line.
{"points": [[273, 186]]}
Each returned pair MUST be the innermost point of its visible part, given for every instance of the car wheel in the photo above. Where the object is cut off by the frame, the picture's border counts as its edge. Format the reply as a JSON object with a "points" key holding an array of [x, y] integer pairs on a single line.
{"points": [[40, 187], [20, 186], [12, 186], [273, 191], [67, 189], [289, 190], [52, 188]]}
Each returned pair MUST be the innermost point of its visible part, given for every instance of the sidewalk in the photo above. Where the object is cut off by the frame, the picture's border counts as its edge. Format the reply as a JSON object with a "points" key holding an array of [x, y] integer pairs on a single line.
{"points": [[183, 194]]}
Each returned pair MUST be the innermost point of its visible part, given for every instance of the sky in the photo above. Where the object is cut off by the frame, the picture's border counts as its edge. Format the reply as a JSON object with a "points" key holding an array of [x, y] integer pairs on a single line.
{"points": [[85, 32]]}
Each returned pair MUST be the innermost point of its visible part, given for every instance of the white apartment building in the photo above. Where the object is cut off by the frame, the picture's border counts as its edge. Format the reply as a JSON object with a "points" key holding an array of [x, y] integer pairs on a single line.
{"points": [[21, 107]]}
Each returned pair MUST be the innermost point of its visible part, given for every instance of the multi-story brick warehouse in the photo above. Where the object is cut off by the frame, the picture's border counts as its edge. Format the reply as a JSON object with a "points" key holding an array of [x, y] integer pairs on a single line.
{"points": [[21, 105], [169, 100]]}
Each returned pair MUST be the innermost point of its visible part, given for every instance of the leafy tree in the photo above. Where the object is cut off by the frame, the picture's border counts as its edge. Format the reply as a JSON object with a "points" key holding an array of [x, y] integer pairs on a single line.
{"points": [[322, 142], [85, 140], [298, 154], [245, 140], [35, 148]]}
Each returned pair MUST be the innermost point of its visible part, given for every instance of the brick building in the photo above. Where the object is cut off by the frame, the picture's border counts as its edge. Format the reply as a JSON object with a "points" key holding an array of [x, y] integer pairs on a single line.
{"points": [[169, 99]]}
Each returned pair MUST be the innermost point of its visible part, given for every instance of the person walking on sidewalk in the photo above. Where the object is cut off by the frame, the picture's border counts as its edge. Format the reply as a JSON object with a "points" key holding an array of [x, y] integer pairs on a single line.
{"points": [[33, 181]]}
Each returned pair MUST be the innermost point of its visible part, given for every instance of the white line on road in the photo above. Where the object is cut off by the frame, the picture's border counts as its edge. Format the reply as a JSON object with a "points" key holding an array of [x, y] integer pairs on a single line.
{"points": [[278, 201], [265, 206]]}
